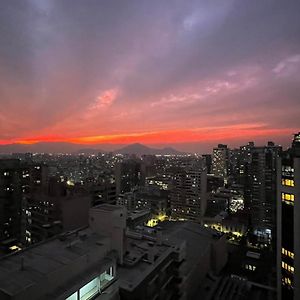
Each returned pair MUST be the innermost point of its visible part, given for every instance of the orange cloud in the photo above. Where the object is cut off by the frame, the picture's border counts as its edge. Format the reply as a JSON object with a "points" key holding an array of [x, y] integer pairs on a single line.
{"points": [[208, 134]]}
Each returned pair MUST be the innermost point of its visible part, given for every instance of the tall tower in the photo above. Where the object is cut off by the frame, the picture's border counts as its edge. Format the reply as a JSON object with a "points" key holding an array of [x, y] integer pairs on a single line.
{"points": [[128, 175], [188, 196], [220, 161], [18, 181], [261, 197], [288, 220]]}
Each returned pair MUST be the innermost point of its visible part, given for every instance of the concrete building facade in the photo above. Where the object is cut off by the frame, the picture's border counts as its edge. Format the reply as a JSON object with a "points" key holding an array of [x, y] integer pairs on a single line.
{"points": [[188, 197]]}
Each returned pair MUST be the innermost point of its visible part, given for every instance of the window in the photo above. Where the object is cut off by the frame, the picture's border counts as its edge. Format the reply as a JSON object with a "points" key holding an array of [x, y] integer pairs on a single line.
{"points": [[89, 290], [287, 171], [288, 182], [106, 277], [287, 253], [73, 296], [250, 267], [93, 287], [288, 198], [286, 281], [287, 267]]}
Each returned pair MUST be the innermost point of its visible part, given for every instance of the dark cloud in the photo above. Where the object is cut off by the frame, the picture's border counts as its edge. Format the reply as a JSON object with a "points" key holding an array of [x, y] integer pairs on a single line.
{"points": [[183, 62]]}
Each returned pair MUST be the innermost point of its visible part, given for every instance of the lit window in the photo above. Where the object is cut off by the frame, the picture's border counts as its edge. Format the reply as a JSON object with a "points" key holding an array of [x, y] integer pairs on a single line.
{"points": [[93, 287], [288, 182], [73, 296], [287, 253], [287, 267], [89, 290], [288, 198], [286, 281], [15, 248], [250, 267]]}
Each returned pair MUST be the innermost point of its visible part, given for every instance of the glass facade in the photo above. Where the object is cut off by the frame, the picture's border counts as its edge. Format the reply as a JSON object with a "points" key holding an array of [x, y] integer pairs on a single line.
{"points": [[94, 286]]}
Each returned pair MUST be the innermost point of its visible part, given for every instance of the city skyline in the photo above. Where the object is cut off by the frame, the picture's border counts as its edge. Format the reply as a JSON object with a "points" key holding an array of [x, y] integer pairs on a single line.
{"points": [[187, 74]]}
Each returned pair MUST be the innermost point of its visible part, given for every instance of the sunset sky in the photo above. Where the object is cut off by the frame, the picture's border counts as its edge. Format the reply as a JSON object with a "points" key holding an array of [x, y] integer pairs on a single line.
{"points": [[184, 73]]}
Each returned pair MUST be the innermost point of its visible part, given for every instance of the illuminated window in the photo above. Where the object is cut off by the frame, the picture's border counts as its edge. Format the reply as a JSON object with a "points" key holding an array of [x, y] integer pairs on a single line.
{"points": [[286, 281], [288, 198], [287, 171], [15, 248], [89, 290], [287, 253], [250, 267], [288, 182], [287, 267], [93, 287], [73, 296], [106, 277]]}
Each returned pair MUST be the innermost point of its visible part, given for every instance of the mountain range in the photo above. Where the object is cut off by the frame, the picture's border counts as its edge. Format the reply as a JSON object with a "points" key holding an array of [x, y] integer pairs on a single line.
{"points": [[139, 149], [59, 147]]}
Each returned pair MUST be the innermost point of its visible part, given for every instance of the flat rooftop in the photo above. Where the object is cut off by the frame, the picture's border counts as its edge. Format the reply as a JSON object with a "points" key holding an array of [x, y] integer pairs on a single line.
{"points": [[107, 207], [197, 237], [20, 270], [144, 241], [141, 258], [137, 213]]}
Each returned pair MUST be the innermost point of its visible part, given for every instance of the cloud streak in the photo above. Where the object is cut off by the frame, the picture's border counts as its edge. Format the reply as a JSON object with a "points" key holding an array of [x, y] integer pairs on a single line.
{"points": [[110, 68]]}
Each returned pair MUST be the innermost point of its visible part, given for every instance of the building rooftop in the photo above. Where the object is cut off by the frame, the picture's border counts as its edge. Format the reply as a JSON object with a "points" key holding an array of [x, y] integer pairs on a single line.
{"points": [[137, 214], [198, 239], [147, 247], [29, 267], [141, 258], [107, 207]]}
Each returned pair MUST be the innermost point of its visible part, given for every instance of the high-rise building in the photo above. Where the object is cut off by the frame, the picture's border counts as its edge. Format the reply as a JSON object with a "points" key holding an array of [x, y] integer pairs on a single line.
{"points": [[128, 175], [260, 192], [234, 163], [188, 197], [18, 180], [208, 162], [64, 207], [288, 220], [104, 192], [220, 162]]}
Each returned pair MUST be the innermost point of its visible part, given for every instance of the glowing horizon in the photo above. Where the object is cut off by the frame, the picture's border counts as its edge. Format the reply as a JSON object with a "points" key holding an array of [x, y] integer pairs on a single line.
{"points": [[166, 137], [141, 71]]}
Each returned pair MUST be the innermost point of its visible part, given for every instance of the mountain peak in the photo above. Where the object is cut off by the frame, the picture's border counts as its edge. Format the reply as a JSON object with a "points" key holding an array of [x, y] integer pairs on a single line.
{"points": [[64, 147], [140, 149]]}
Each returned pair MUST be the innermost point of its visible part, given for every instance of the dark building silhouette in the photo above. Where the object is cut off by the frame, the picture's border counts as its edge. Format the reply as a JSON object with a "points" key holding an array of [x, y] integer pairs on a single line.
{"points": [[220, 161], [62, 208], [288, 220], [260, 191], [208, 162], [128, 175], [188, 196], [18, 181]]}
